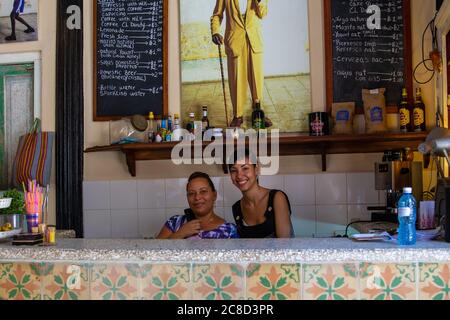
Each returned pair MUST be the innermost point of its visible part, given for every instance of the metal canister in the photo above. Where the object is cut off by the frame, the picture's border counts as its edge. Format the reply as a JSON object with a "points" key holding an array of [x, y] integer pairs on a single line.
{"points": [[319, 124]]}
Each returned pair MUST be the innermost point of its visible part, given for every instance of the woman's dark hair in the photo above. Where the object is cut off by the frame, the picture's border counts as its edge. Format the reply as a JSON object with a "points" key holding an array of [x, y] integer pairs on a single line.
{"points": [[237, 155], [201, 175]]}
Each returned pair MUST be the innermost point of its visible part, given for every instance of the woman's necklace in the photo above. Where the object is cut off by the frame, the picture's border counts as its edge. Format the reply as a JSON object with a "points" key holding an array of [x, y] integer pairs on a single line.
{"points": [[207, 220]]}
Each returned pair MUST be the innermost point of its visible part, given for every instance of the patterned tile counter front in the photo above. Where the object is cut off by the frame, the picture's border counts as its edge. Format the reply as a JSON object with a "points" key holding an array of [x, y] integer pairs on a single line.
{"points": [[308, 269]]}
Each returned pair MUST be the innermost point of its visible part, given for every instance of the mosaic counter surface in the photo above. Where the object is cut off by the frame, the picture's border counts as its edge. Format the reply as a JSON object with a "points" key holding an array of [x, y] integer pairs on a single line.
{"points": [[296, 269]]}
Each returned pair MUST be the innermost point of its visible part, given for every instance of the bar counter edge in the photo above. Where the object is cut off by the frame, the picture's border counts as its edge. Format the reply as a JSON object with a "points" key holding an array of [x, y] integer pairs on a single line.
{"points": [[293, 269]]}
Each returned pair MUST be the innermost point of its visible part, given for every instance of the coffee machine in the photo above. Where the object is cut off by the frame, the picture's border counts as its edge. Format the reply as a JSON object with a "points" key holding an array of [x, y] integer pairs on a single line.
{"points": [[391, 176]]}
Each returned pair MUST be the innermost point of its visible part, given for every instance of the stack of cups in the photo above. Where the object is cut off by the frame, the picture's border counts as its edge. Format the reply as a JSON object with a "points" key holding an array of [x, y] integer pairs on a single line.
{"points": [[34, 201]]}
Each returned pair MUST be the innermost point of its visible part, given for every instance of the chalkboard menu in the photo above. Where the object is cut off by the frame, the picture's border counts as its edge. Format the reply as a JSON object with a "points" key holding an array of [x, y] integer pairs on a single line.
{"points": [[130, 43], [368, 46]]}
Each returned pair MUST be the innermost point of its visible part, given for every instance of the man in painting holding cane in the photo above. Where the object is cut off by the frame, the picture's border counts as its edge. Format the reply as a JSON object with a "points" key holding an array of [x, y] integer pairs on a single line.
{"points": [[244, 49]]}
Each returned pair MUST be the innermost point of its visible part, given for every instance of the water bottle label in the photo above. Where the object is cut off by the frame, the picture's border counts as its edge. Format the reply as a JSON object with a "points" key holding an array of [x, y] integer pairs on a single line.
{"points": [[404, 212]]}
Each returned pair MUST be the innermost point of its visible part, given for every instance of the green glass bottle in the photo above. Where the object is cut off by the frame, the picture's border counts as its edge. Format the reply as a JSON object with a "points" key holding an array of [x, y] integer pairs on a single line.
{"points": [[258, 117]]}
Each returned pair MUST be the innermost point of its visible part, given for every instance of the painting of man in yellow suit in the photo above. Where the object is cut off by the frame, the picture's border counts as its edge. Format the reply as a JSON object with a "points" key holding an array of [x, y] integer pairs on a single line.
{"points": [[244, 48], [255, 62]]}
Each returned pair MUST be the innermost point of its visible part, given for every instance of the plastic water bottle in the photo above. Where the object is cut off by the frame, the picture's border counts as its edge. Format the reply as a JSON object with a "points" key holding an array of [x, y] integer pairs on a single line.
{"points": [[407, 210]]}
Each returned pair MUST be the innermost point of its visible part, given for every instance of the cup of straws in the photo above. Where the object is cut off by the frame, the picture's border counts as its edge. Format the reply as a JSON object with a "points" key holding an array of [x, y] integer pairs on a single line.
{"points": [[34, 202]]}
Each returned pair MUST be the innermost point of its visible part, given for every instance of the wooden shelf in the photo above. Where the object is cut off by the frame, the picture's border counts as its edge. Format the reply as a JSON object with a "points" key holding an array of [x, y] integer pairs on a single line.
{"points": [[290, 145]]}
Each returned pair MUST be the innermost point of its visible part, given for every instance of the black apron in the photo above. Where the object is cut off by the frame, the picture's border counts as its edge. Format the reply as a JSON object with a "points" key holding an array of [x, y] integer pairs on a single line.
{"points": [[264, 230]]}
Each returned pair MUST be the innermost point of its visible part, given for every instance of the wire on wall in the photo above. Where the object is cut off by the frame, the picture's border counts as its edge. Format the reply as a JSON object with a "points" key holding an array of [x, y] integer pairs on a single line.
{"points": [[432, 26]]}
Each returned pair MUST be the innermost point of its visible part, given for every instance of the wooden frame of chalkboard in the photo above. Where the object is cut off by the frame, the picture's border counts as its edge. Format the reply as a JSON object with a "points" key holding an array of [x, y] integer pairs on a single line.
{"points": [[407, 61], [136, 105]]}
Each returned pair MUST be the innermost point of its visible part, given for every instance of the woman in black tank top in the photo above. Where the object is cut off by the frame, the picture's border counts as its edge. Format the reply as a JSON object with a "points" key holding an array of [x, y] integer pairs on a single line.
{"points": [[261, 213]]}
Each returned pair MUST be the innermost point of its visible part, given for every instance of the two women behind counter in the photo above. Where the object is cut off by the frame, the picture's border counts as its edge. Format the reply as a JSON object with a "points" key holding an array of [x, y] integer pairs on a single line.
{"points": [[260, 213]]}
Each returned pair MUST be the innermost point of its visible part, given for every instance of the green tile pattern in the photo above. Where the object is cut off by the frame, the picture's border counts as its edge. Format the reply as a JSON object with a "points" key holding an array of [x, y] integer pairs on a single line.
{"points": [[330, 282]]}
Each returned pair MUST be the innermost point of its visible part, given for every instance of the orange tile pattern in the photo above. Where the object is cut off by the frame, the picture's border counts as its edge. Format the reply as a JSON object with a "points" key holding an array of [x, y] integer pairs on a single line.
{"points": [[218, 282], [273, 282], [166, 282], [388, 281], [330, 282], [20, 281], [113, 282], [434, 283], [66, 282]]}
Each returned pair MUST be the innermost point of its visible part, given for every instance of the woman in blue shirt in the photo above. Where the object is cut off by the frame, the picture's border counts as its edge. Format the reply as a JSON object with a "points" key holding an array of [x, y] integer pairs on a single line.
{"points": [[199, 221], [18, 7]]}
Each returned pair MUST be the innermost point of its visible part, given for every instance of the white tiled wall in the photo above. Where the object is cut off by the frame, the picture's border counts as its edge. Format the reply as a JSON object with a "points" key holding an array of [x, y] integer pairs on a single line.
{"points": [[322, 204]]}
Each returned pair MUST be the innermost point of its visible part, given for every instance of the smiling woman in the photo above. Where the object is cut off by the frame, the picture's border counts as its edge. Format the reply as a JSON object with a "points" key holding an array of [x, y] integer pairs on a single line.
{"points": [[199, 221], [261, 213]]}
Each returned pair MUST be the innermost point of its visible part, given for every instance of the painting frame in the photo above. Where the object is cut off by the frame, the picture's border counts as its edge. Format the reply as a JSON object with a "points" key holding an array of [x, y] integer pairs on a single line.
{"points": [[25, 26], [288, 115]]}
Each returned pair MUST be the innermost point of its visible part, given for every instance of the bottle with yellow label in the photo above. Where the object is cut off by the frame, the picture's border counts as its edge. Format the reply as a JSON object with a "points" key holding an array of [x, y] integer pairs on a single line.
{"points": [[405, 113], [419, 113], [151, 134]]}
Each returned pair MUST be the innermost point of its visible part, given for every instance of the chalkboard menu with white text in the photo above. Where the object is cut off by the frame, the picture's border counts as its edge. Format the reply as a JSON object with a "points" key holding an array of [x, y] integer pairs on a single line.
{"points": [[130, 39], [368, 46]]}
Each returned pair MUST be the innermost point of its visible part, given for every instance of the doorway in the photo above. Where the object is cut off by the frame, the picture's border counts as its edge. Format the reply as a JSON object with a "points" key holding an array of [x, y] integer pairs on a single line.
{"points": [[16, 113]]}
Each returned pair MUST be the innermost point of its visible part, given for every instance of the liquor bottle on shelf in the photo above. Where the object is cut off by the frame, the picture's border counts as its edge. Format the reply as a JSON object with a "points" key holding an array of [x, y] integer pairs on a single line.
{"points": [[405, 113], [205, 120], [176, 134], [419, 113], [191, 123], [151, 127], [169, 123], [164, 124], [164, 128], [176, 122], [258, 117]]}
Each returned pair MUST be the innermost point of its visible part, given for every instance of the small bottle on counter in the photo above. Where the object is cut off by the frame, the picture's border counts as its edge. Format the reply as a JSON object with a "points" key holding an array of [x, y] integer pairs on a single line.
{"points": [[407, 210], [50, 235]]}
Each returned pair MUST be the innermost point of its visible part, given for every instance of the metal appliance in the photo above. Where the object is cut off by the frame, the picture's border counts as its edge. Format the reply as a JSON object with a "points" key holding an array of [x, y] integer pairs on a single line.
{"points": [[392, 177], [438, 144]]}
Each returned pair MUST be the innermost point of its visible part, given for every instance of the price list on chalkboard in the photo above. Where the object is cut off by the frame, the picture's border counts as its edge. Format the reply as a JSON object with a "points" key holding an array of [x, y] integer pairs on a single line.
{"points": [[368, 49], [130, 58]]}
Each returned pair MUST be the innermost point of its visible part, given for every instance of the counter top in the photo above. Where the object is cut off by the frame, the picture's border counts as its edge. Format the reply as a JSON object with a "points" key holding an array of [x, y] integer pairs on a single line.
{"points": [[228, 251]]}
